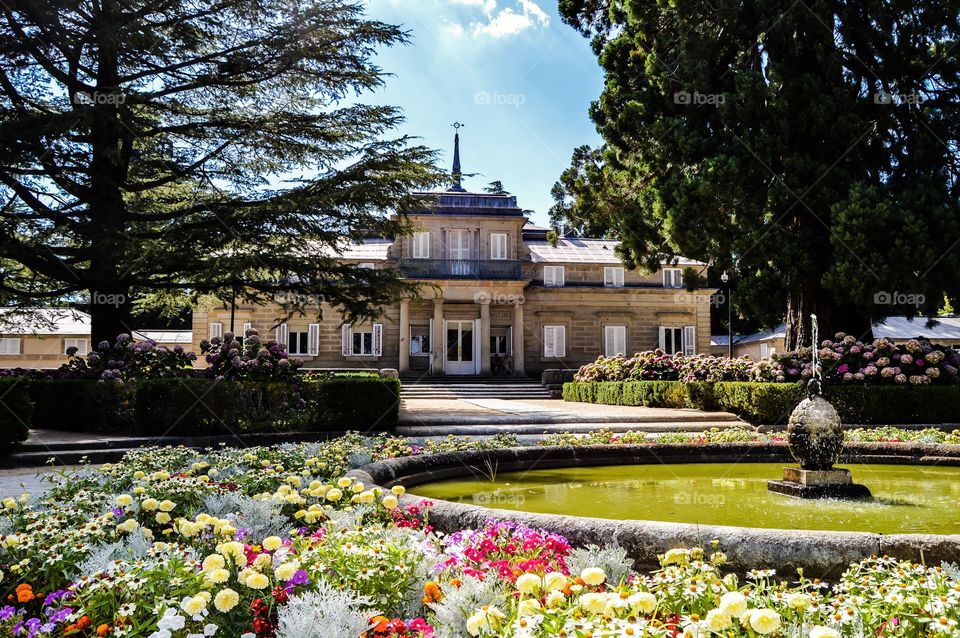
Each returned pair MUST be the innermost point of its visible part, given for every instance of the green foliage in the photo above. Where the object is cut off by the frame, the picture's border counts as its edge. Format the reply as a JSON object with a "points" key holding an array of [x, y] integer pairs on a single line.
{"points": [[771, 403], [149, 148], [82, 405], [16, 408], [808, 149], [193, 407], [342, 403]]}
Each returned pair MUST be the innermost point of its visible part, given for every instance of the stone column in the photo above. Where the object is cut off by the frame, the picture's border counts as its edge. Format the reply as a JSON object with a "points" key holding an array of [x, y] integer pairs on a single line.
{"points": [[518, 338], [404, 336], [436, 339], [485, 336]]}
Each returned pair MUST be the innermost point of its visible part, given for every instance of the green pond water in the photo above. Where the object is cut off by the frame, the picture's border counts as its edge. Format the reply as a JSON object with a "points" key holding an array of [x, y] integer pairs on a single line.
{"points": [[907, 499]]}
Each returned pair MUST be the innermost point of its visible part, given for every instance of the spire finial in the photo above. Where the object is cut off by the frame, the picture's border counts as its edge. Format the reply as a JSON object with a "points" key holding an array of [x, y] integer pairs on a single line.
{"points": [[456, 174]]}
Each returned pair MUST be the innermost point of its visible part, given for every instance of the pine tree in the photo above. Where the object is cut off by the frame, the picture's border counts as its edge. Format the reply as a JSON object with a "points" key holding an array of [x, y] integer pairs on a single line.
{"points": [[811, 146], [196, 145]]}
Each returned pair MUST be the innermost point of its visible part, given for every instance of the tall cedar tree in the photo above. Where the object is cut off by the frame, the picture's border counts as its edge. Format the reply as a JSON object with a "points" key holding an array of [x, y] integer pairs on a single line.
{"points": [[813, 146], [148, 145]]}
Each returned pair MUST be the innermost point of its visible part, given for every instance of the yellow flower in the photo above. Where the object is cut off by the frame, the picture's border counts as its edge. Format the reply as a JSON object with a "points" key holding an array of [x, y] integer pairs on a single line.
{"points": [[334, 495], [124, 500], [733, 604], [9, 503], [194, 605], [344, 483], [149, 504], [593, 602], [528, 583], [357, 487], [799, 601], [529, 607], [717, 621], [764, 621], [217, 575], [554, 581], [390, 502], [226, 600], [823, 632], [213, 561], [166, 505], [398, 490], [272, 543], [555, 599], [643, 601], [286, 571], [593, 576], [256, 580], [163, 518], [676, 556]]}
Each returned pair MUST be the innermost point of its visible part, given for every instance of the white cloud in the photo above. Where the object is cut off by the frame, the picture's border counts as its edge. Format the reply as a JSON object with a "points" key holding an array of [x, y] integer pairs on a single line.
{"points": [[504, 21]]}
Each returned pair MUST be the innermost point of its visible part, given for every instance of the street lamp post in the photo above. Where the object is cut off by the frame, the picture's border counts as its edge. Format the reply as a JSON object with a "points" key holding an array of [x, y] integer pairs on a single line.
{"points": [[725, 278]]}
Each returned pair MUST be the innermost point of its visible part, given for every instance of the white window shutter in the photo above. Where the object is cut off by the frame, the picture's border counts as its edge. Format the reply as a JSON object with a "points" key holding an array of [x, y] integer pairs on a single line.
{"points": [[215, 330], [548, 276], [689, 340], [281, 334], [377, 339], [313, 339], [560, 336], [246, 327], [549, 347], [663, 339], [346, 340], [608, 347], [667, 278]]}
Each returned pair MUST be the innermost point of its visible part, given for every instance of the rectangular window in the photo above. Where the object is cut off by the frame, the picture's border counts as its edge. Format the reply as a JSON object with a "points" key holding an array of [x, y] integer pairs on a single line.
{"points": [[419, 341], [764, 350], [553, 275], [498, 345], [671, 339], [79, 344], [10, 346], [298, 343], [421, 245], [672, 278], [361, 341], [554, 341], [615, 340], [498, 246], [613, 276], [215, 330]]}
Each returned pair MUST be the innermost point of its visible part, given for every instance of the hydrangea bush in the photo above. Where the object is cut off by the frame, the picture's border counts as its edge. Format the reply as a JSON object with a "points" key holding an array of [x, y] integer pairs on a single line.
{"points": [[127, 360], [247, 358], [656, 365], [277, 542]]}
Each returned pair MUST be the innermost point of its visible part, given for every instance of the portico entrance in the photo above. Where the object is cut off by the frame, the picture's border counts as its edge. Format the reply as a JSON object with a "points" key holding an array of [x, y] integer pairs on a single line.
{"points": [[461, 348]]}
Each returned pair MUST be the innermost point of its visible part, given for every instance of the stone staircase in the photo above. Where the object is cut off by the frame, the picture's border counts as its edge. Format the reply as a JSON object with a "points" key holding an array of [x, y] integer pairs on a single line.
{"points": [[472, 388]]}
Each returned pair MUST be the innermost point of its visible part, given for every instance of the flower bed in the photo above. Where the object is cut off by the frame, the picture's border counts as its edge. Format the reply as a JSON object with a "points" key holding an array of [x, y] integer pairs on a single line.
{"points": [[173, 543]]}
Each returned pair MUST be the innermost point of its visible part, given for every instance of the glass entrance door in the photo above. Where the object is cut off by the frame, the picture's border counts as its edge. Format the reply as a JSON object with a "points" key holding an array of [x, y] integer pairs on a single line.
{"points": [[460, 352]]}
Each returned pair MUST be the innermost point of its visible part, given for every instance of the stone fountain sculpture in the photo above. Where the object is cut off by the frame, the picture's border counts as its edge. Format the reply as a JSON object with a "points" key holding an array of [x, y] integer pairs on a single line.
{"points": [[815, 437]]}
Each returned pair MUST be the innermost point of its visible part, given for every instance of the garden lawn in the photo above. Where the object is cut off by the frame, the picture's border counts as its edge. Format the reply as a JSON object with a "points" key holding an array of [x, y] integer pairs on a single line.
{"points": [[175, 543]]}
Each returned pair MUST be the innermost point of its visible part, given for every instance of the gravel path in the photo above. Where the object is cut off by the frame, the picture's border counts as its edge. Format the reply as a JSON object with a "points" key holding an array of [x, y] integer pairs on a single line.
{"points": [[15, 482]]}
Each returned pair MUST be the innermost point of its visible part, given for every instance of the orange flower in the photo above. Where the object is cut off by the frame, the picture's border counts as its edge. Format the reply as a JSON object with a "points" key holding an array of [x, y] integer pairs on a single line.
{"points": [[84, 622], [456, 582], [380, 623], [24, 593], [103, 630], [432, 593]]}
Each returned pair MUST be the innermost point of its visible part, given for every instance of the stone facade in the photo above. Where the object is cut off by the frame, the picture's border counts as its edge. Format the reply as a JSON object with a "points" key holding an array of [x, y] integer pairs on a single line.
{"points": [[486, 300]]}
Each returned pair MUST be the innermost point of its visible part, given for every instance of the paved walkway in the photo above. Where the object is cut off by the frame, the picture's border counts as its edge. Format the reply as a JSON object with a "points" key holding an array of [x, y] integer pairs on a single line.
{"points": [[17, 481]]}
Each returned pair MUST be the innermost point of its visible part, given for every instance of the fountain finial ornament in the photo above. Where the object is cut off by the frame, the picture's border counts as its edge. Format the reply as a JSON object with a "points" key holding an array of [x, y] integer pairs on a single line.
{"points": [[815, 439]]}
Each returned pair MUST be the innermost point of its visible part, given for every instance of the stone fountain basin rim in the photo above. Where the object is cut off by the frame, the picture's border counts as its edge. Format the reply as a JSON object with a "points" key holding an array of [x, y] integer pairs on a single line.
{"points": [[819, 552]]}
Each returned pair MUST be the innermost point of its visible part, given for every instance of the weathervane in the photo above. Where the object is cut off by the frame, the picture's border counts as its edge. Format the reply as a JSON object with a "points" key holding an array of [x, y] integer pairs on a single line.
{"points": [[458, 125]]}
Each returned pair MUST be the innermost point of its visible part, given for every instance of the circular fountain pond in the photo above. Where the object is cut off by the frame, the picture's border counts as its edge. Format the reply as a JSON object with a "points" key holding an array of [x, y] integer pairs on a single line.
{"points": [[649, 499], [906, 500]]}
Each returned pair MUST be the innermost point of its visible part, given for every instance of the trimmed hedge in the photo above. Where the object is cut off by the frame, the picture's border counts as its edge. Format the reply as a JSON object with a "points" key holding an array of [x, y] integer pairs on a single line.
{"points": [[771, 403], [81, 405], [197, 407], [353, 402], [16, 409], [202, 406]]}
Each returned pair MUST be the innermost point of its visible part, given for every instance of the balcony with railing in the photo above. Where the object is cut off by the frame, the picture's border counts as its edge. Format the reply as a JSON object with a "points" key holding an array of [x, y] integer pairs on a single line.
{"points": [[461, 268]]}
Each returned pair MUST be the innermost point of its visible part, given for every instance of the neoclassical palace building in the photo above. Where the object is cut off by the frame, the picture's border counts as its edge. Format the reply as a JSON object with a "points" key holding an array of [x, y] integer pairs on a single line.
{"points": [[502, 299]]}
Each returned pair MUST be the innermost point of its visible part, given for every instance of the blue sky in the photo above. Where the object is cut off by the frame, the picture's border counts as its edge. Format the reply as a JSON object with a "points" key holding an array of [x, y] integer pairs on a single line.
{"points": [[518, 78]]}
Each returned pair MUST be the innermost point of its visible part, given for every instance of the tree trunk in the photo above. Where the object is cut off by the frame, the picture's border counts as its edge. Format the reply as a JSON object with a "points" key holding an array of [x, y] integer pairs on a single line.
{"points": [[831, 318], [111, 313]]}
